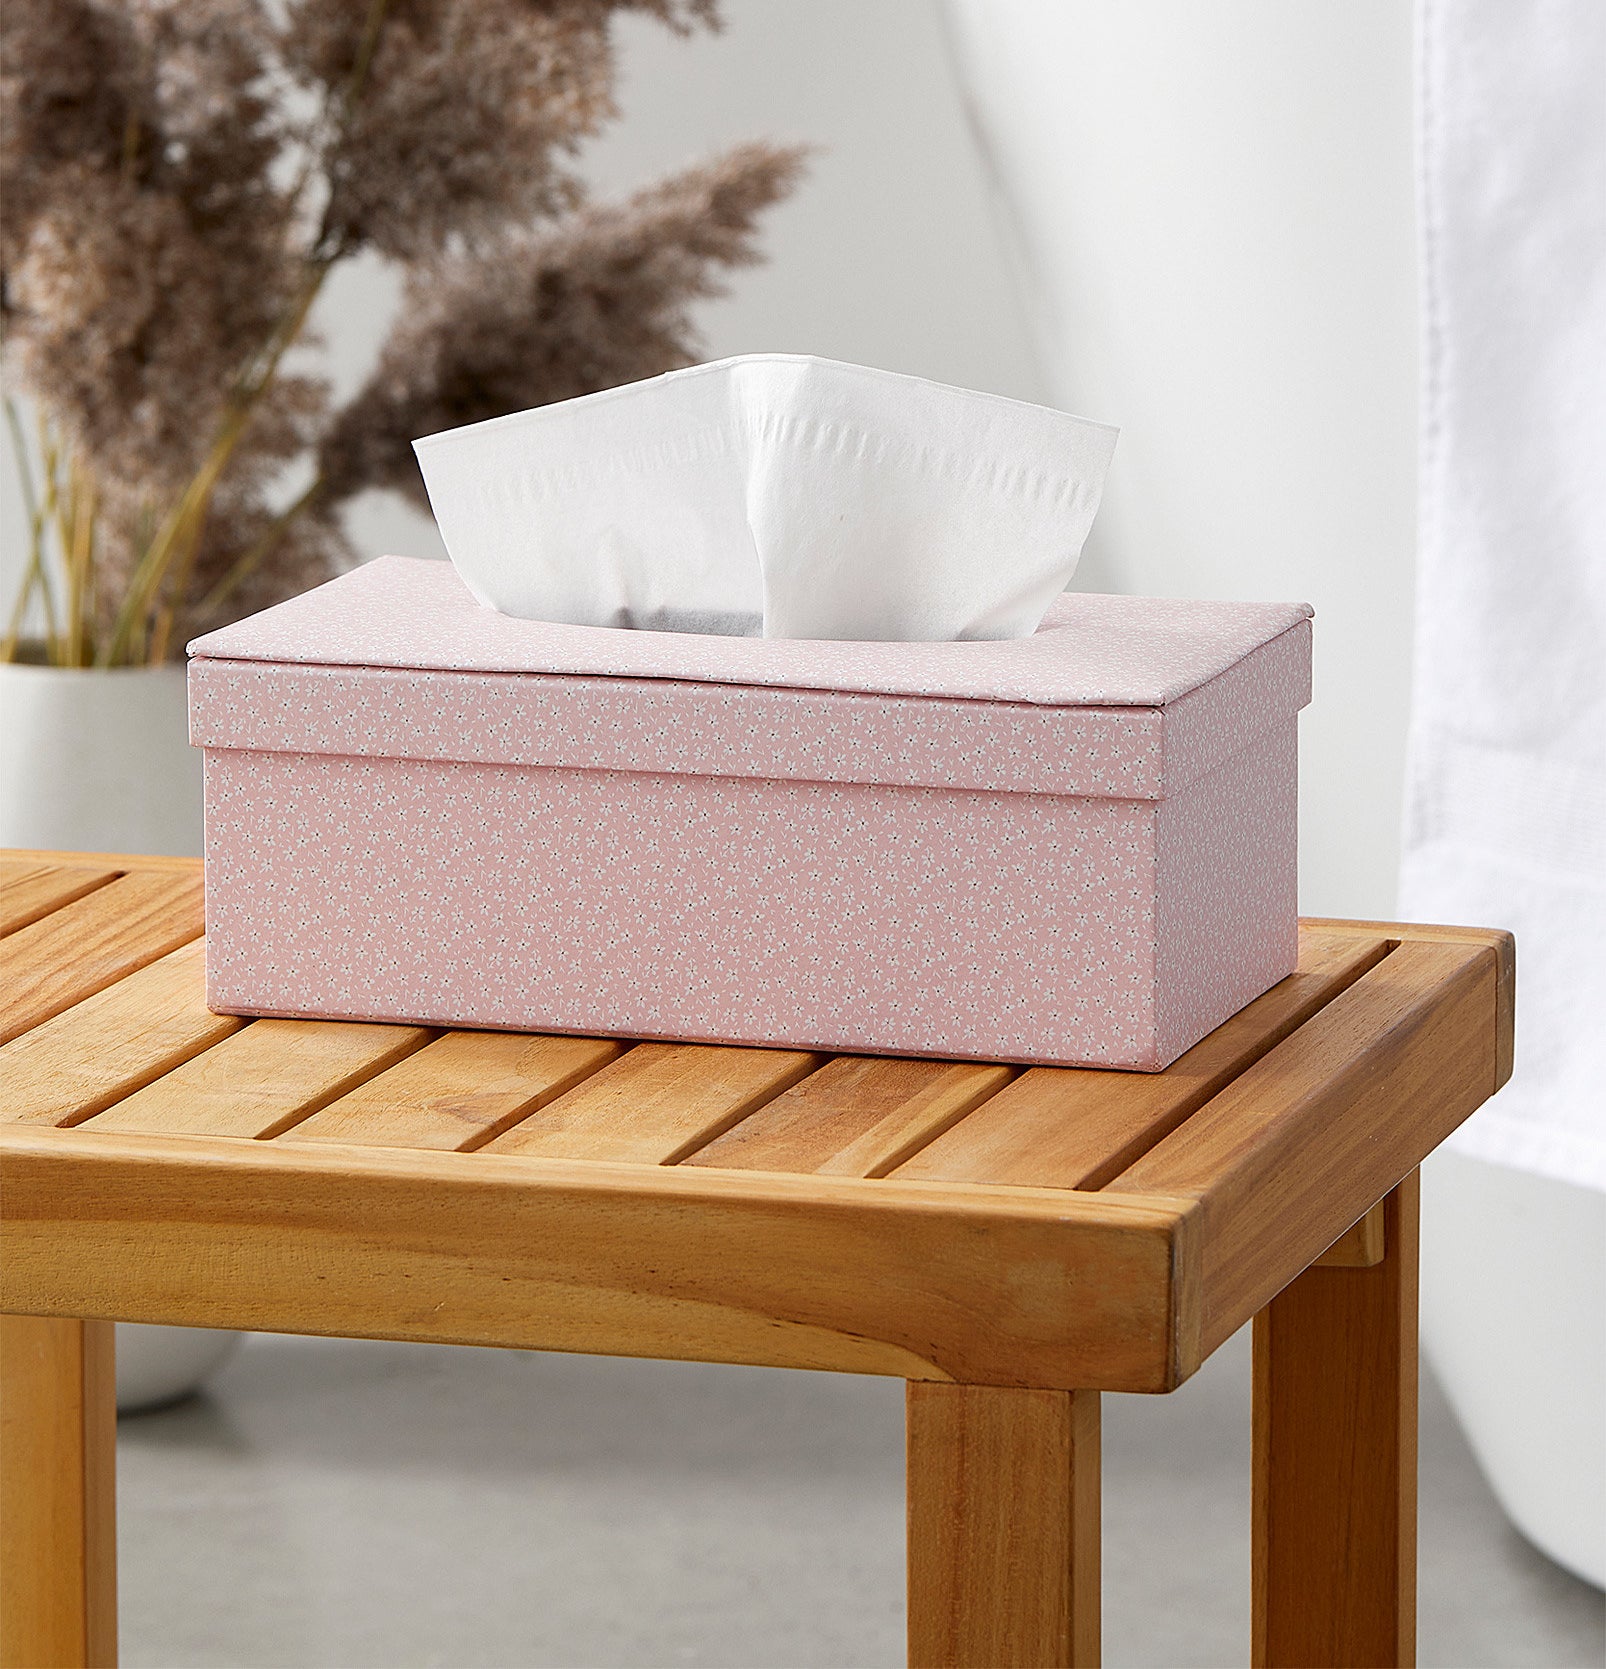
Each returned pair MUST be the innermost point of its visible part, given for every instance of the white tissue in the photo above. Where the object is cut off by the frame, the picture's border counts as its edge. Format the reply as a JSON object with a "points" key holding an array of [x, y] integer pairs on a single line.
{"points": [[776, 495]]}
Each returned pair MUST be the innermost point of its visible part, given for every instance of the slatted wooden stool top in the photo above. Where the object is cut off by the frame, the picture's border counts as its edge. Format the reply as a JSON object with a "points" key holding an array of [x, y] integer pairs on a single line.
{"points": [[1046, 1227]]}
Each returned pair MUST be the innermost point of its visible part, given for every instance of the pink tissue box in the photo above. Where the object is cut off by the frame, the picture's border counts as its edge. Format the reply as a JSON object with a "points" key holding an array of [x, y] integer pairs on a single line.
{"points": [[1076, 848]]}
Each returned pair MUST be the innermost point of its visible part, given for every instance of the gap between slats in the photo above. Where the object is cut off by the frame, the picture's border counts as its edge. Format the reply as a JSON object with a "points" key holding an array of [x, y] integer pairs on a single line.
{"points": [[458, 1092], [264, 1078], [658, 1103], [94, 942], [856, 1116], [146, 1054], [71, 1066], [31, 891]]}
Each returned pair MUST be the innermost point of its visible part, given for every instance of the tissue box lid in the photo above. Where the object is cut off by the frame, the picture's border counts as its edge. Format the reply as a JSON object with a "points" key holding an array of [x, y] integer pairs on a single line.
{"points": [[1118, 697]]}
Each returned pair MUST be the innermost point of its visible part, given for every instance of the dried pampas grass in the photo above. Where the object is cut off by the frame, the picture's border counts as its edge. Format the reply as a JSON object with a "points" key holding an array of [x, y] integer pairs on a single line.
{"points": [[177, 180]]}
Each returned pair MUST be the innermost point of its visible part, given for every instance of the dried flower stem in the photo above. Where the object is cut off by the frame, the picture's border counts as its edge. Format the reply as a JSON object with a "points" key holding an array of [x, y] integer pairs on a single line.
{"points": [[263, 547], [172, 551], [37, 576], [374, 22], [72, 514], [55, 515], [81, 497], [183, 524]]}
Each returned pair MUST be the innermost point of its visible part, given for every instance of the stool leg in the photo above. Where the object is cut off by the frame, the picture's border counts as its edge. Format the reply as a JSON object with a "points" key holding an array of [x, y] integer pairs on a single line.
{"points": [[1335, 1461], [1003, 1527], [58, 1525]]}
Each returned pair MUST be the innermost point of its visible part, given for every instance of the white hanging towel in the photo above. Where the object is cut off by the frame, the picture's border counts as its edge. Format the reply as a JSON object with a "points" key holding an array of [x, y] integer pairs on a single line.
{"points": [[1506, 806]]}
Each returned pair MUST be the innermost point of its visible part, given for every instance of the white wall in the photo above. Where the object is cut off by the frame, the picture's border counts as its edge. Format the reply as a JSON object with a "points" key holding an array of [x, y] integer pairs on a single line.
{"points": [[1216, 203]]}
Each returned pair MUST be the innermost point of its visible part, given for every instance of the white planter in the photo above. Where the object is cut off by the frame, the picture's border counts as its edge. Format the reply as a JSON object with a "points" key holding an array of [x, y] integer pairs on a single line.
{"points": [[101, 762], [98, 761]]}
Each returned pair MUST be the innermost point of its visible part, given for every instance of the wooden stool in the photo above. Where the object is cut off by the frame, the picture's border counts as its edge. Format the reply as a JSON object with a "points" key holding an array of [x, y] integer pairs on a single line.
{"points": [[1009, 1242]]}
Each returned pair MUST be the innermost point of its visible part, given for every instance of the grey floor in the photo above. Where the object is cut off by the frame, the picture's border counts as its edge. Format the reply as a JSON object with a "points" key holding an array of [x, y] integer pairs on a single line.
{"points": [[335, 1503]]}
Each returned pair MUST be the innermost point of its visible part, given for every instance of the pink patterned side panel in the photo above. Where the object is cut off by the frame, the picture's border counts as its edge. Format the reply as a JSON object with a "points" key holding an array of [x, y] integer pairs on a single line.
{"points": [[844, 917], [905, 920], [1227, 917]]}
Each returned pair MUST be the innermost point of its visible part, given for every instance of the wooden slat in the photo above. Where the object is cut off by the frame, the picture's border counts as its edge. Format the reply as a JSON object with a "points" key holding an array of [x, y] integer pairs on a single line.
{"points": [[1295, 1149], [657, 1103], [1335, 1462], [859, 1115], [1503, 944], [14, 869], [89, 944], [28, 891], [1003, 1543], [459, 1092], [1001, 1286], [108, 1046], [1068, 1128], [58, 1515], [263, 1079]]}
